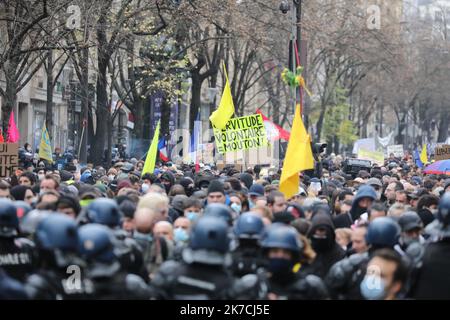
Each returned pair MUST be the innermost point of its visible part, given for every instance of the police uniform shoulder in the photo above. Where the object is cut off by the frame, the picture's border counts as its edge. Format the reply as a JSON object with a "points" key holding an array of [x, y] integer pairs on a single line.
{"points": [[24, 242], [120, 234], [167, 273], [356, 259], [35, 284], [414, 254], [170, 266], [132, 243], [136, 284], [342, 270], [315, 287]]}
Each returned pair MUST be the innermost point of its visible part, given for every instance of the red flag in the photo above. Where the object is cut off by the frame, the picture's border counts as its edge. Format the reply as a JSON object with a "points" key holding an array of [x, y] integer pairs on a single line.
{"points": [[274, 131], [13, 131], [2, 140]]}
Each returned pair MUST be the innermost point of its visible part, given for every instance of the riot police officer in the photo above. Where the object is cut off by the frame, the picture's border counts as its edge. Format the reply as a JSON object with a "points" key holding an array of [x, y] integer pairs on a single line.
{"points": [[247, 256], [282, 247], [11, 288], [219, 210], [60, 271], [224, 212], [344, 278], [106, 212], [17, 257], [433, 278], [96, 246], [202, 273], [411, 226]]}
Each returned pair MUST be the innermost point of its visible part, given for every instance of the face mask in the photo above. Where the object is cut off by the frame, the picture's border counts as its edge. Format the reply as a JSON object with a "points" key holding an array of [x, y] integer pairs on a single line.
{"points": [[41, 177], [280, 265], [180, 235], [251, 204], [434, 211], [358, 211], [372, 288], [111, 177], [316, 186], [378, 195], [320, 244], [143, 236], [236, 207], [192, 216], [145, 187], [406, 241]]}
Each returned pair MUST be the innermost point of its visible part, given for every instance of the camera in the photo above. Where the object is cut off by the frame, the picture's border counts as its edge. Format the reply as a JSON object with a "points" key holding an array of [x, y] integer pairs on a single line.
{"points": [[285, 6]]}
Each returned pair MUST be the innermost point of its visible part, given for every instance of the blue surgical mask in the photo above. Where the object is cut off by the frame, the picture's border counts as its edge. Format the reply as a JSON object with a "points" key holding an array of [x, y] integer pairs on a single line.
{"points": [[236, 207], [192, 216], [251, 204], [145, 187], [372, 288], [180, 235], [143, 236]]}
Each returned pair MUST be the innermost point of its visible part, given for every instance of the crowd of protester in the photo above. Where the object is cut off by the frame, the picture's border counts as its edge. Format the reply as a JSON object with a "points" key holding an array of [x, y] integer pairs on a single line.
{"points": [[86, 232]]}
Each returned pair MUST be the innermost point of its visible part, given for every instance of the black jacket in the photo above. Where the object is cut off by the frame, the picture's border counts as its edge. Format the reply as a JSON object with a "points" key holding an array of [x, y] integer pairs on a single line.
{"points": [[328, 256], [433, 280], [343, 220]]}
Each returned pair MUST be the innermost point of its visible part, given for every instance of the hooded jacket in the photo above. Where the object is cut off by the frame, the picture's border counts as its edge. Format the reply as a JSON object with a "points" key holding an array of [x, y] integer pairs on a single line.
{"points": [[247, 179], [363, 192], [329, 254]]}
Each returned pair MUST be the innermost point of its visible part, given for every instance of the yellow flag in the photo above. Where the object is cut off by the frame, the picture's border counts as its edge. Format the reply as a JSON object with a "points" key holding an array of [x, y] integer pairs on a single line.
{"points": [[45, 147], [223, 114], [150, 160], [424, 155], [298, 157]]}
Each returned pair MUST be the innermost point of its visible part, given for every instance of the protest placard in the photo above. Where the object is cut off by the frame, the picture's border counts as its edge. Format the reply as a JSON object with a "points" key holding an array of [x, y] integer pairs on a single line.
{"points": [[207, 153], [9, 159], [374, 156], [397, 150], [241, 134], [442, 152]]}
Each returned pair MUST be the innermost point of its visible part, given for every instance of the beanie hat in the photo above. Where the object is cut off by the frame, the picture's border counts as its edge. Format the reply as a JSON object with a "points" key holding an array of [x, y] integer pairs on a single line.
{"points": [[216, 186]]}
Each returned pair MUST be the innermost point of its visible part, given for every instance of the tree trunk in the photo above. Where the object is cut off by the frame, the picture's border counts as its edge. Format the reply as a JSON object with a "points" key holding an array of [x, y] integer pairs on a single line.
{"points": [[139, 118], [84, 86], [102, 112], [320, 123], [165, 118], [401, 127], [443, 127], [196, 96], [9, 103], [336, 145], [110, 142], [49, 103]]}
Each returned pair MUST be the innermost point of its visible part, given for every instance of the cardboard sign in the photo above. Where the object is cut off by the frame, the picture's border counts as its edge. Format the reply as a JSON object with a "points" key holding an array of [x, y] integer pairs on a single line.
{"points": [[206, 153], [374, 156], [241, 134], [9, 159], [442, 152], [397, 150]]}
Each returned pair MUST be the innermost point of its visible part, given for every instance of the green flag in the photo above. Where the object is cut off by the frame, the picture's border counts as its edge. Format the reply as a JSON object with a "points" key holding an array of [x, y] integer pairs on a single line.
{"points": [[150, 160]]}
